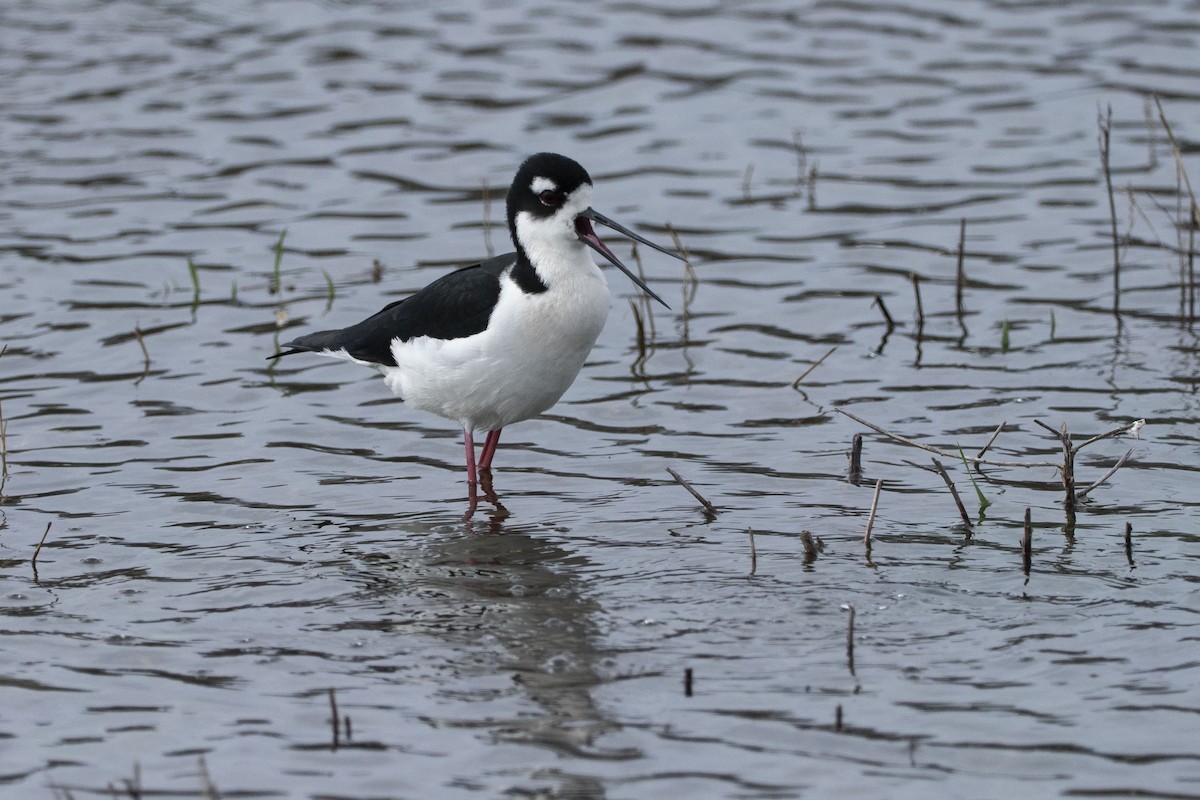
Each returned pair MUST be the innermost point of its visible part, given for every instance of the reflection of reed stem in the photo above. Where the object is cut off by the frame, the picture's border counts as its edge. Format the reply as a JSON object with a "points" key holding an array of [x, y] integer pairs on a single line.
{"points": [[1105, 123]]}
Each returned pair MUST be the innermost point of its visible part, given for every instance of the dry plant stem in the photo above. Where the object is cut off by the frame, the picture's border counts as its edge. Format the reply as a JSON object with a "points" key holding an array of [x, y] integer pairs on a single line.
{"points": [[1027, 544], [962, 510], [1129, 543], [855, 473], [689, 272], [883, 309], [811, 367], [850, 639], [1120, 463], [1195, 207], [333, 718], [687, 682], [871, 516], [960, 275], [709, 507], [1105, 123], [37, 550], [996, 433], [753, 553], [210, 790], [837, 718], [944, 453], [810, 546], [916, 282]]}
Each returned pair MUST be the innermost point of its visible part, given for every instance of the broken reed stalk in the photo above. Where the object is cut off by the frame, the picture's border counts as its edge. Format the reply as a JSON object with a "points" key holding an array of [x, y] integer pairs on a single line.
{"points": [[854, 474], [871, 516], [1027, 544], [276, 281], [333, 718], [990, 442], [210, 789], [137, 332], [746, 181], [641, 332], [1105, 124], [810, 546], [753, 553], [801, 159], [687, 682], [811, 367], [883, 309], [1120, 463], [837, 718], [850, 638], [1178, 153], [916, 282], [709, 507], [1129, 543], [962, 510], [960, 275], [38, 550], [691, 278]]}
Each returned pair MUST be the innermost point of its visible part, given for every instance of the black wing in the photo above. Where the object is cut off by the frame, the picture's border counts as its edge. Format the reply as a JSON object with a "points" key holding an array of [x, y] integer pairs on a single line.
{"points": [[454, 306]]}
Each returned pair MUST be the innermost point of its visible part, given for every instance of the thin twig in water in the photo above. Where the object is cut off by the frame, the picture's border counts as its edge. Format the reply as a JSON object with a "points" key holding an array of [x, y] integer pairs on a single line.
{"points": [[962, 510], [709, 507], [811, 367], [944, 453], [1027, 544], [986, 447], [960, 275], [1105, 123], [916, 282], [37, 550], [1129, 543], [887, 316], [1120, 463], [333, 718], [687, 682], [871, 516], [210, 790], [753, 553], [850, 638]]}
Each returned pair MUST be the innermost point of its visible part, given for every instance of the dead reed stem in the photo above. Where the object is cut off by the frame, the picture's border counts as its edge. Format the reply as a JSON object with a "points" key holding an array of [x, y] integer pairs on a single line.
{"points": [[883, 309], [962, 510], [990, 441], [855, 472], [960, 276], [1027, 544], [811, 367], [687, 682], [753, 553], [38, 550], [709, 507], [871, 516], [210, 790], [916, 282], [1105, 123], [850, 639], [333, 718], [810, 547], [1129, 543], [1120, 463], [837, 718]]}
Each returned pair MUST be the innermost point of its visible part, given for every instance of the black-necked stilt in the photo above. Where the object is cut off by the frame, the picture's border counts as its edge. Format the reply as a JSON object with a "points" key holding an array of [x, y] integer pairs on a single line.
{"points": [[501, 341]]}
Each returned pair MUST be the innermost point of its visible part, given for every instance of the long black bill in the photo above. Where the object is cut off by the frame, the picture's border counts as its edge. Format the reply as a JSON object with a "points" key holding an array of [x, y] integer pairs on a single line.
{"points": [[589, 237]]}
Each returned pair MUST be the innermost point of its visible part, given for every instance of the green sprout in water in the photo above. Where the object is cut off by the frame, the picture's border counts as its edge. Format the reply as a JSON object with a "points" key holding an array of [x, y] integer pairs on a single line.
{"points": [[983, 501], [195, 281]]}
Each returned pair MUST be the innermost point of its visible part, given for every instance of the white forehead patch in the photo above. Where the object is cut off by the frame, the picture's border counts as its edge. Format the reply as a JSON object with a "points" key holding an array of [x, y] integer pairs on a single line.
{"points": [[541, 184]]}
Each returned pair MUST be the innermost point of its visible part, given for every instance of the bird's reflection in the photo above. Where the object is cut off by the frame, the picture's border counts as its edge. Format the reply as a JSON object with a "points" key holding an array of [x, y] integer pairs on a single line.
{"points": [[513, 602]]}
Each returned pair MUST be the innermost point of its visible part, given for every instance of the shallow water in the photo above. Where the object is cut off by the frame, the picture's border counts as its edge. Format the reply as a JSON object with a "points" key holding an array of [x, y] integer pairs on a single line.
{"points": [[230, 541]]}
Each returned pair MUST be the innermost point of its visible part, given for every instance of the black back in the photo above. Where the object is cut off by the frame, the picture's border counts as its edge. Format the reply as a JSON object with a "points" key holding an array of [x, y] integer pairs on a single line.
{"points": [[452, 307]]}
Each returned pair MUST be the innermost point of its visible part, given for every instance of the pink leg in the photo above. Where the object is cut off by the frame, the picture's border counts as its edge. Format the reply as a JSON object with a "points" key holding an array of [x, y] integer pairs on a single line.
{"points": [[489, 449], [469, 441]]}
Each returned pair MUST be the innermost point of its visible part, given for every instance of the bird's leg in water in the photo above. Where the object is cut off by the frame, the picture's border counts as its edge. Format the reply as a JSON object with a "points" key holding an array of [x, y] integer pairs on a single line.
{"points": [[489, 450], [469, 442]]}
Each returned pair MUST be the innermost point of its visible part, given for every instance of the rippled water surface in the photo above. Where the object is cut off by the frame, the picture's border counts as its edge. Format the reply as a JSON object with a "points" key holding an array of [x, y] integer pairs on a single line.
{"points": [[233, 544]]}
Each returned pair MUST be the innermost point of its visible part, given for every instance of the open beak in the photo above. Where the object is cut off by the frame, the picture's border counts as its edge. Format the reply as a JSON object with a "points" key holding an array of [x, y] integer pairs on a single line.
{"points": [[584, 228]]}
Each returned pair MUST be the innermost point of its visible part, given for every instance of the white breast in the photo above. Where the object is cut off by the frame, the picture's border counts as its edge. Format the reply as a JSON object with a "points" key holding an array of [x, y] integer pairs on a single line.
{"points": [[529, 355]]}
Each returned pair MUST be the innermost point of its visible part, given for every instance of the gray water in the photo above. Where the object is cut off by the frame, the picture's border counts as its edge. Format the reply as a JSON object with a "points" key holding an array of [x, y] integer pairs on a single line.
{"points": [[232, 541]]}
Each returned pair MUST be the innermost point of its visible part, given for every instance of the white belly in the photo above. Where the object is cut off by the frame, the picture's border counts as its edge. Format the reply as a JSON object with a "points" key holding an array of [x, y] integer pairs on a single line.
{"points": [[529, 355]]}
